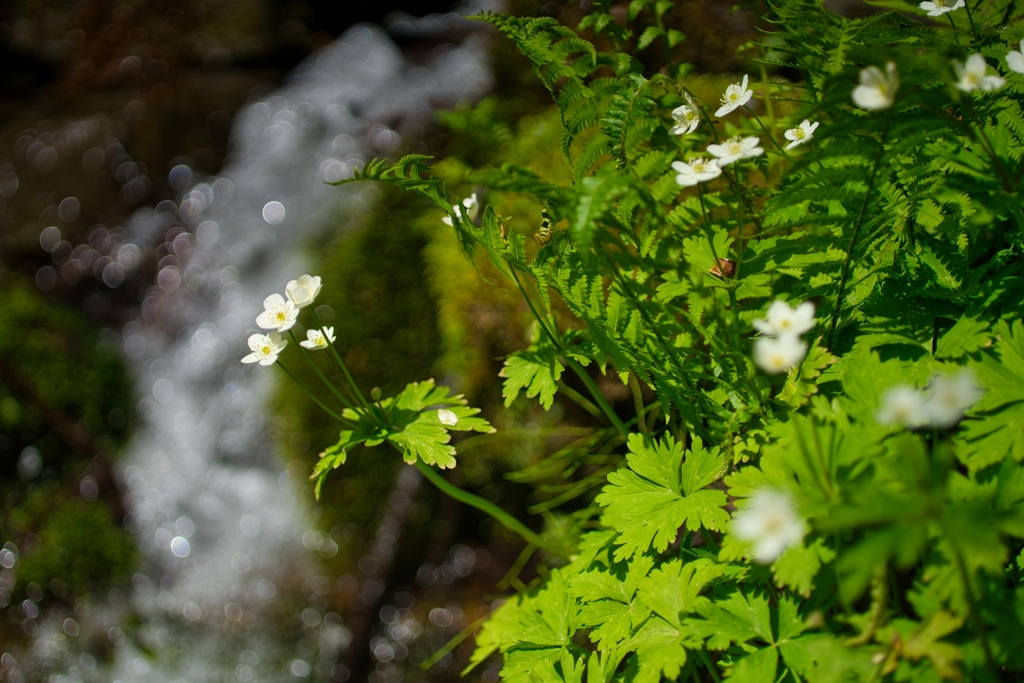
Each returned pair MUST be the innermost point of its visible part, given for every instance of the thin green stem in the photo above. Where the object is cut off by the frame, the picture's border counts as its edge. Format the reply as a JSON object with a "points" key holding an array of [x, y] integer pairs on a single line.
{"points": [[334, 390], [638, 401], [556, 340], [845, 273], [771, 137], [988, 146], [580, 400], [970, 18], [733, 303], [320, 403], [956, 35], [486, 506], [975, 613], [552, 335], [454, 642], [767, 97], [599, 398], [341, 363], [710, 665]]}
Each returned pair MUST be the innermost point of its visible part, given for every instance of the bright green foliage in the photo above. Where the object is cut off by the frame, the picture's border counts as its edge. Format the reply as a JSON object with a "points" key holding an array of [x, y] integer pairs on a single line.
{"points": [[536, 370], [658, 493], [410, 423], [903, 226]]}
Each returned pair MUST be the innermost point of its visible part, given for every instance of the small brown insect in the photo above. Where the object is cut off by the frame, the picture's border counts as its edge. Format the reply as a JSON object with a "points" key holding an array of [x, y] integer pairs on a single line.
{"points": [[545, 232], [725, 265]]}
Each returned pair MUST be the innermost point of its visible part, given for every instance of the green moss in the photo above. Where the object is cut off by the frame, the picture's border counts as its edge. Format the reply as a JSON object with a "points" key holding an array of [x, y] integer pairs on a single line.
{"points": [[75, 541], [67, 396]]}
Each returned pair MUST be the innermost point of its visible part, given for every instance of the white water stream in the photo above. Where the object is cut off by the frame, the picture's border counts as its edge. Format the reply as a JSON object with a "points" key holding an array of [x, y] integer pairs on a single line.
{"points": [[219, 521]]}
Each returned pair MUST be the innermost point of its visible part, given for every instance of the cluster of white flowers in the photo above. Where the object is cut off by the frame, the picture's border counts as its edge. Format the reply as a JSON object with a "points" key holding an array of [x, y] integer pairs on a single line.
{"points": [[702, 169], [279, 314], [877, 90], [468, 211], [781, 349], [771, 523], [941, 405]]}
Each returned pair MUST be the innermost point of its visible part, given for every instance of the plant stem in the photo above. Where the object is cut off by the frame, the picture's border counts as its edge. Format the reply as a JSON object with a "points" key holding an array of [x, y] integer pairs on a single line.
{"points": [[710, 666], [733, 304], [757, 118], [989, 147], [320, 403], [454, 642], [970, 18], [953, 26], [845, 273], [552, 335], [510, 522], [580, 400], [341, 363], [975, 614], [556, 340], [638, 401], [599, 398], [334, 390]]}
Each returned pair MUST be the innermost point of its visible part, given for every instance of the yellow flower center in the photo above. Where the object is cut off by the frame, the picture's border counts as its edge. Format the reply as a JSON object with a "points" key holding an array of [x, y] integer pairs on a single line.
{"points": [[772, 525], [266, 350]]}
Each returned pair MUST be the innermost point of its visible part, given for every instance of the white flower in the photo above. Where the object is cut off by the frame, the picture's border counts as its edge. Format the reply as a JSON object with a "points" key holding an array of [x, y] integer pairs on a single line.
{"points": [[801, 134], [471, 211], [937, 8], [903, 405], [972, 76], [735, 149], [317, 340], [735, 96], [447, 417], [687, 118], [785, 320], [779, 354], [265, 348], [877, 90], [301, 292], [770, 522], [697, 171], [950, 397], [1015, 59], [278, 315]]}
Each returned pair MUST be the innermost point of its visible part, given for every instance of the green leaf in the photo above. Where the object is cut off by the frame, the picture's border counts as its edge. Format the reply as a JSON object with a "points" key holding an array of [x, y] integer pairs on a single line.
{"points": [[801, 383], [649, 501], [660, 651], [536, 370], [648, 36], [673, 589], [758, 667], [967, 336], [800, 563]]}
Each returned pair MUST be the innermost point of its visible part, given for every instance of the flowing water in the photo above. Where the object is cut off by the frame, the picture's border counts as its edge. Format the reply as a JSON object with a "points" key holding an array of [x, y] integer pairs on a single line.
{"points": [[229, 587]]}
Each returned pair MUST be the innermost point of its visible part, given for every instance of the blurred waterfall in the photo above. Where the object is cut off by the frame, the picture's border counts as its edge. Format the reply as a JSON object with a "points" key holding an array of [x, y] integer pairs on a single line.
{"points": [[229, 587]]}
